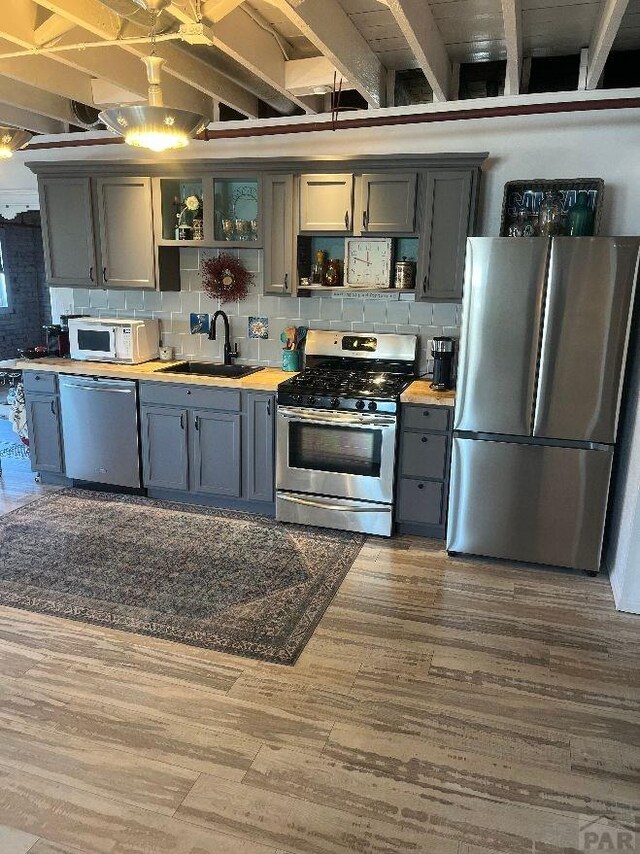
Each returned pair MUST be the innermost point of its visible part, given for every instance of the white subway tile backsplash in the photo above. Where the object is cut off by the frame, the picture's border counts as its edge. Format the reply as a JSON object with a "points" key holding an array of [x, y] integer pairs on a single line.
{"points": [[398, 312], [444, 314], [173, 308]]}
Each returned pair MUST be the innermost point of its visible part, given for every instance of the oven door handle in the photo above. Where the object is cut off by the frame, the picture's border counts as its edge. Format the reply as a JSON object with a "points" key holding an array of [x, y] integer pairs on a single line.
{"points": [[329, 505], [341, 419]]}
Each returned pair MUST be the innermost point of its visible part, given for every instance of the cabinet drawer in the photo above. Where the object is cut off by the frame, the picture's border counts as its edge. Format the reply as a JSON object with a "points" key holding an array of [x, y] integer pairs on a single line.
{"points": [[195, 396], [44, 381], [420, 501], [425, 417], [424, 455]]}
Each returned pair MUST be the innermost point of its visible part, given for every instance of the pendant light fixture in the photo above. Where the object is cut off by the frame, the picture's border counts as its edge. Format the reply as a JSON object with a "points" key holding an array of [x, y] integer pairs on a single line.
{"points": [[154, 125], [12, 139]]}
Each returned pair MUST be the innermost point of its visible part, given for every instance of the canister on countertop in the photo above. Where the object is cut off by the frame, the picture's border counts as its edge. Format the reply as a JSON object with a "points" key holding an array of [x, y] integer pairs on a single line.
{"points": [[442, 352], [405, 274]]}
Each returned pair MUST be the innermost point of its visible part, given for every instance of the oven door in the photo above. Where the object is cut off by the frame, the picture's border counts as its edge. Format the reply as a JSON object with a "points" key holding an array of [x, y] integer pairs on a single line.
{"points": [[342, 454], [93, 342]]}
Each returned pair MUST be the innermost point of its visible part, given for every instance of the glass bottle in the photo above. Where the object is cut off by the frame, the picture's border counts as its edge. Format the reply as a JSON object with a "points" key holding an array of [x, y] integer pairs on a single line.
{"points": [[332, 277], [580, 217], [550, 217], [317, 271]]}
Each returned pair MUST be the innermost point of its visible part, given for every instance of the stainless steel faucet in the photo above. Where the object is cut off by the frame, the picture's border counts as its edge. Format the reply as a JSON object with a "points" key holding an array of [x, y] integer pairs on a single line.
{"points": [[228, 353]]}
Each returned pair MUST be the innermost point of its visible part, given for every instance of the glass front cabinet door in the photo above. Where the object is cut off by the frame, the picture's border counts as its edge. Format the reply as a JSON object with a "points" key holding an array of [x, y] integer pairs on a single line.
{"points": [[183, 210], [237, 211]]}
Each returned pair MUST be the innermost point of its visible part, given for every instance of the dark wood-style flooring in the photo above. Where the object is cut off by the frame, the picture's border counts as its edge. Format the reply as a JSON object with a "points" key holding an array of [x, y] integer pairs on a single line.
{"points": [[442, 706]]}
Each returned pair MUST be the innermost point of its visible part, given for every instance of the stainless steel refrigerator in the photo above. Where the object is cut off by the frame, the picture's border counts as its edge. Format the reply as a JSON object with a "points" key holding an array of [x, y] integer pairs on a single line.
{"points": [[543, 346]]}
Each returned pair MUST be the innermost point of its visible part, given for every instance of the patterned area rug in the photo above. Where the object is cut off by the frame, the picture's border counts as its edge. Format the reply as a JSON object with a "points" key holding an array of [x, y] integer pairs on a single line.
{"points": [[241, 584], [14, 451]]}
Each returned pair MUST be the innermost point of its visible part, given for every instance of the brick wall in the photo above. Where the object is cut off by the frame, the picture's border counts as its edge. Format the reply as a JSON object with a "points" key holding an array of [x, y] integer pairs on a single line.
{"points": [[29, 304]]}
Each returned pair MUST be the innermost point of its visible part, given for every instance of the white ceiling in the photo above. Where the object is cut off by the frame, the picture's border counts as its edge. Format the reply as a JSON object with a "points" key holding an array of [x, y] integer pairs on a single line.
{"points": [[284, 52]]}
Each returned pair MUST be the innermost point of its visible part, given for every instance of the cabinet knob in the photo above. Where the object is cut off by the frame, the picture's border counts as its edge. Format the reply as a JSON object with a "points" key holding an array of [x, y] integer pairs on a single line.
{"points": [[426, 413], [421, 486], [424, 439], [37, 377], [188, 391]]}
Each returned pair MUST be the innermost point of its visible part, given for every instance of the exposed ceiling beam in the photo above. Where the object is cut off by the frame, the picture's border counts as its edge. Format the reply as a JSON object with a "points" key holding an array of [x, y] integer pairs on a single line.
{"points": [[19, 118], [241, 38], [46, 74], [35, 100], [415, 19], [19, 17], [215, 10], [327, 25], [184, 67], [54, 27], [512, 18], [605, 30]]}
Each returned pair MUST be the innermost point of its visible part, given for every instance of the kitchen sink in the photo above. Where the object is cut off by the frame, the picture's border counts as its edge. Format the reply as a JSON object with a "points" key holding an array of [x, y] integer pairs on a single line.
{"points": [[210, 369]]}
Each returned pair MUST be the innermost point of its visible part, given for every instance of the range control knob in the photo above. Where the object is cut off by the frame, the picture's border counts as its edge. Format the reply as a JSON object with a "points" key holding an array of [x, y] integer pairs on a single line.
{"points": [[372, 406], [297, 398], [360, 404], [335, 402], [311, 401]]}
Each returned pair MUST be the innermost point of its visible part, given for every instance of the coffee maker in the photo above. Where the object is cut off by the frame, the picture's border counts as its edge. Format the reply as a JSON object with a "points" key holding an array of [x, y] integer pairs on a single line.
{"points": [[442, 352]]}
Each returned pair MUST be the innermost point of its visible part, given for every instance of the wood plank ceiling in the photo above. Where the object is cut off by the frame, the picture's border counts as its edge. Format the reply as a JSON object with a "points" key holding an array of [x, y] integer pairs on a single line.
{"points": [[278, 57]]}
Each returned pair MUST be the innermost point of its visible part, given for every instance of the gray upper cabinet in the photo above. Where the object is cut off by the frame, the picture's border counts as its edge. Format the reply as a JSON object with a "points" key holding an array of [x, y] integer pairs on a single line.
{"points": [[67, 231], [259, 448], [279, 237], [43, 423], [165, 460], [216, 453], [125, 219], [326, 203], [386, 203], [449, 209]]}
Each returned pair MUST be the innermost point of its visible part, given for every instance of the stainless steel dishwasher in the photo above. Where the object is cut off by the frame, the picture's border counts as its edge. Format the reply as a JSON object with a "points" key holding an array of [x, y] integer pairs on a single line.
{"points": [[100, 430]]}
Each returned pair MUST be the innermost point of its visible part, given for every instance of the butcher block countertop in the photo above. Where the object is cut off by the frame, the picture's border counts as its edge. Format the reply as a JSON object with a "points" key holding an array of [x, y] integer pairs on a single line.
{"points": [[420, 392], [268, 379], [265, 380]]}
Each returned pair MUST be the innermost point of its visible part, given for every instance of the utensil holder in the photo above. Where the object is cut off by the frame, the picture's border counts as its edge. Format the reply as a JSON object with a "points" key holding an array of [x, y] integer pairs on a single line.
{"points": [[291, 360]]}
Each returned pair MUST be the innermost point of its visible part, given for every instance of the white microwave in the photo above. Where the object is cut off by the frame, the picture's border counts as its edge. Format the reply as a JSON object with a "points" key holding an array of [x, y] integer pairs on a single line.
{"points": [[111, 339]]}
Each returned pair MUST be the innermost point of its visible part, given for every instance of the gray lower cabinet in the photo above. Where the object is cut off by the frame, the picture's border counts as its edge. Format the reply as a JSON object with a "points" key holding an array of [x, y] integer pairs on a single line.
{"points": [[423, 470], [43, 423], [449, 206], [215, 453], [259, 446], [208, 442], [165, 450]]}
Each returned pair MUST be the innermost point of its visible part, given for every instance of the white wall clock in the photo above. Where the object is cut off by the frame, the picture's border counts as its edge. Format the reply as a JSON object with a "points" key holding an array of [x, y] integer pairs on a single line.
{"points": [[367, 262]]}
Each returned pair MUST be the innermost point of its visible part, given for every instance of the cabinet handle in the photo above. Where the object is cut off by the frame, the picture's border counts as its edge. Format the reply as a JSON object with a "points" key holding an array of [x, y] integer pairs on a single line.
{"points": [[104, 274], [365, 220], [196, 423], [424, 284], [424, 439], [286, 281], [269, 407], [53, 407], [182, 420], [90, 274], [346, 220], [421, 486]]}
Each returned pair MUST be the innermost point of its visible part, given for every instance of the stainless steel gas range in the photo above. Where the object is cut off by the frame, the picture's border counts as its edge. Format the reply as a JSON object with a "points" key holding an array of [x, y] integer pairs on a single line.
{"points": [[336, 431]]}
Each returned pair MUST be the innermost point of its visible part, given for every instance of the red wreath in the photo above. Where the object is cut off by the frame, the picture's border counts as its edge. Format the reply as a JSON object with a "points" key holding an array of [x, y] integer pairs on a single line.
{"points": [[225, 278]]}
